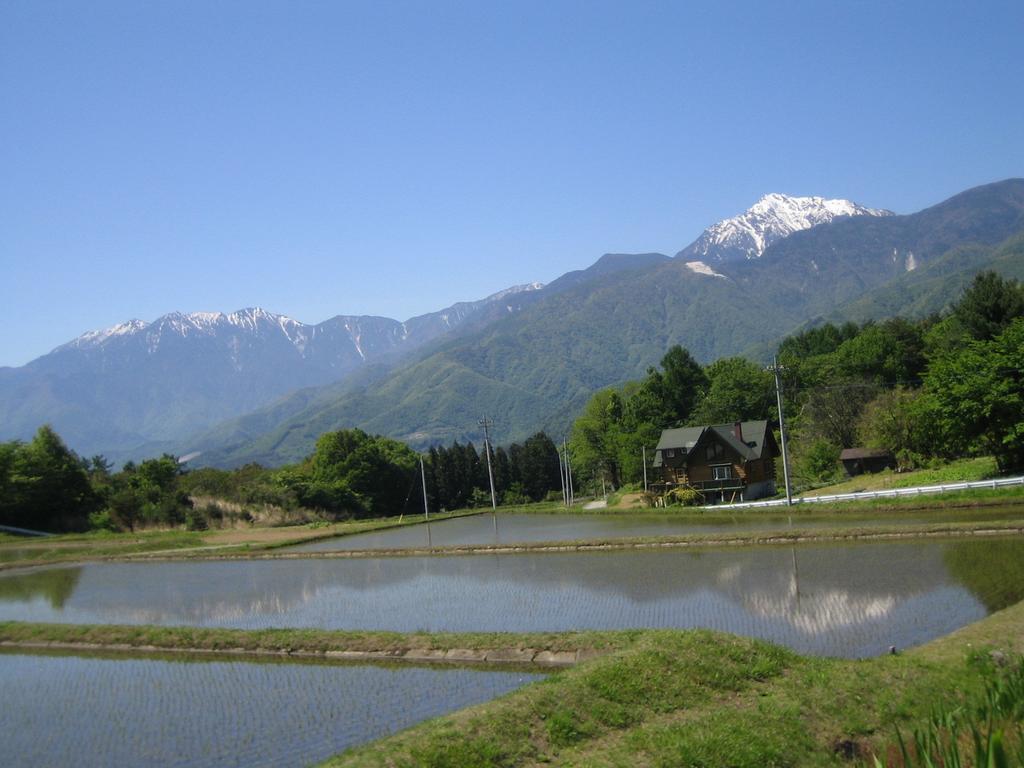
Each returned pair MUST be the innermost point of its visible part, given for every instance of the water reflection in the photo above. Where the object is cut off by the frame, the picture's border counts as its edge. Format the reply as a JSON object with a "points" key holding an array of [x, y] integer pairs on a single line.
{"points": [[845, 599], [102, 712], [54, 586], [992, 570]]}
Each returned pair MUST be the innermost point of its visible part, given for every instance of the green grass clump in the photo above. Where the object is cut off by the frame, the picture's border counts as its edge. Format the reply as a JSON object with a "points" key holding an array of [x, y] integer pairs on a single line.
{"points": [[986, 733]]}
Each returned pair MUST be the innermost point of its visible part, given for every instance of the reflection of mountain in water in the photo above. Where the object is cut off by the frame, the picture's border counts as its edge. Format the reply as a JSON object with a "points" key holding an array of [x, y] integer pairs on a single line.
{"points": [[53, 584]]}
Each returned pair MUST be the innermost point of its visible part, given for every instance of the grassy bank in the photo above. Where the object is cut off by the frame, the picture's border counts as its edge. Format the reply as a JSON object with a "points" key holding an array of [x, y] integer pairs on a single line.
{"points": [[960, 471], [706, 699], [311, 641]]}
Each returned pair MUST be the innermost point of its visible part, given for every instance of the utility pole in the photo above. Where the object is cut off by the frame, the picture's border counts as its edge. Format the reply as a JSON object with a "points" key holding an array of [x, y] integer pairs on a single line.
{"points": [[568, 472], [486, 424], [561, 477], [782, 431], [423, 476], [644, 450]]}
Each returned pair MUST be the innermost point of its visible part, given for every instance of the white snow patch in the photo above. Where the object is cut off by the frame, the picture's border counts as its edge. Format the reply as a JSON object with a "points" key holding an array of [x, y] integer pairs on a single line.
{"points": [[700, 268]]}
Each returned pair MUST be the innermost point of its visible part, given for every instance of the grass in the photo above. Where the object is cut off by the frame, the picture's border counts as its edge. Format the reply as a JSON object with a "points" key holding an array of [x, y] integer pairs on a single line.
{"points": [[306, 640], [988, 731], [699, 698], [962, 470]]}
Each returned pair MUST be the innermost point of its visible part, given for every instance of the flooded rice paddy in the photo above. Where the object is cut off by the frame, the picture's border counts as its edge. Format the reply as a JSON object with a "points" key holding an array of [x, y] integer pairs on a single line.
{"points": [[851, 599], [504, 529], [86, 711]]}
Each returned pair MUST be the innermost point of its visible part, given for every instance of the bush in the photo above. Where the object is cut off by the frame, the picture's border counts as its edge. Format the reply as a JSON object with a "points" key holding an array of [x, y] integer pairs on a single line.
{"points": [[101, 521], [818, 462], [196, 520], [684, 496]]}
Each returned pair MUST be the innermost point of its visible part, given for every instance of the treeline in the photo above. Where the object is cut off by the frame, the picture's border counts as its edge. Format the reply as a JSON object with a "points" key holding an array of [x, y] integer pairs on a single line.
{"points": [[457, 476], [46, 486], [353, 474], [943, 387]]}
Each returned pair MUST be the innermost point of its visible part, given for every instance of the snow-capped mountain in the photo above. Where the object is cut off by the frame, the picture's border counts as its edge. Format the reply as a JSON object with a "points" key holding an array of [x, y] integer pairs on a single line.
{"points": [[344, 337], [767, 221], [139, 382]]}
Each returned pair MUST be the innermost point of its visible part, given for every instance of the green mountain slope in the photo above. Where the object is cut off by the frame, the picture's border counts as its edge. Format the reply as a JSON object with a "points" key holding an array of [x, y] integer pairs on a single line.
{"points": [[537, 368]]}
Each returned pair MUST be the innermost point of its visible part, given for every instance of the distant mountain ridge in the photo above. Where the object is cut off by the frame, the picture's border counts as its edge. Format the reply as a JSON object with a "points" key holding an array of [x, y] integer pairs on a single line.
{"points": [[772, 218], [135, 383]]}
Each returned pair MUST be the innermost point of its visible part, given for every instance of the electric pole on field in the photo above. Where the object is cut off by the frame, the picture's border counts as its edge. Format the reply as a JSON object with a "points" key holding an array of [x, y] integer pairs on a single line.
{"points": [[782, 431], [487, 424], [568, 473], [561, 477], [423, 476], [644, 453]]}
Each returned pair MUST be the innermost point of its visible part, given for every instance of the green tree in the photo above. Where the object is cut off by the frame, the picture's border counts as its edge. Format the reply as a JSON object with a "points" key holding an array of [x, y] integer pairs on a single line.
{"points": [[886, 353], [594, 439], [739, 390], [989, 305], [44, 485], [979, 395], [353, 472], [830, 413], [678, 385], [539, 466]]}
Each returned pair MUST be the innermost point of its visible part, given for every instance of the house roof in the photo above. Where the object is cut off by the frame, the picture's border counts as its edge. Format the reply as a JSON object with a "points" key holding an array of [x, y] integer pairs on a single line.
{"points": [[864, 453], [687, 438]]}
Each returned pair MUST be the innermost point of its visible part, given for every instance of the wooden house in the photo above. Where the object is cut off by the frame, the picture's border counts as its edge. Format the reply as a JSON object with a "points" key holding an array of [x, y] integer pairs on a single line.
{"points": [[725, 462]]}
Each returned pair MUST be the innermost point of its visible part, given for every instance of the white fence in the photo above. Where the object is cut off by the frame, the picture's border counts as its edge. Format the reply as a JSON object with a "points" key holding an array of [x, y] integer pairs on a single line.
{"points": [[920, 490]]}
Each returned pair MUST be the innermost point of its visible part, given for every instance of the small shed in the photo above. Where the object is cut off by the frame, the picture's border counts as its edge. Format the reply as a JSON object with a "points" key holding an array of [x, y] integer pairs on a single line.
{"points": [[857, 461]]}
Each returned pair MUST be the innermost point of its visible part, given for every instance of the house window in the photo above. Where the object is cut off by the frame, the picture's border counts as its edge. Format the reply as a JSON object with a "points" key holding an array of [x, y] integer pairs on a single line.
{"points": [[723, 472], [714, 450], [670, 452]]}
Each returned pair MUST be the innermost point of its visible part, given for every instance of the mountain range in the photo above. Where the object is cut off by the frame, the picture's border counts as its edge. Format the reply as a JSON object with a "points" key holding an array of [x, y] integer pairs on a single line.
{"points": [[140, 383], [256, 386]]}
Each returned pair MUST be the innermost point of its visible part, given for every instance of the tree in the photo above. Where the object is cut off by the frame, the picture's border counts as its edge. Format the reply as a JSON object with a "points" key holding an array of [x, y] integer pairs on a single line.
{"points": [[901, 420], [44, 485], [593, 440], [831, 412], [979, 395], [739, 390], [887, 353], [539, 466], [678, 385], [989, 305], [351, 471]]}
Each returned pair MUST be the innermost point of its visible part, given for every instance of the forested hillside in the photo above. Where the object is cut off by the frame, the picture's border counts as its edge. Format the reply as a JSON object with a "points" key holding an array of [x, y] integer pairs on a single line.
{"points": [[941, 387]]}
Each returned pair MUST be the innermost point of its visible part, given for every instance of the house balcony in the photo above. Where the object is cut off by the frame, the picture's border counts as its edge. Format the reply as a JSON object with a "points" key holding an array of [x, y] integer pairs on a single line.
{"points": [[730, 484]]}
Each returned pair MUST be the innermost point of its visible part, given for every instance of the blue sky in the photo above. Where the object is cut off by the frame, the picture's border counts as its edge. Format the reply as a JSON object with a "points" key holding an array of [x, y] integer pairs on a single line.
{"points": [[323, 158]]}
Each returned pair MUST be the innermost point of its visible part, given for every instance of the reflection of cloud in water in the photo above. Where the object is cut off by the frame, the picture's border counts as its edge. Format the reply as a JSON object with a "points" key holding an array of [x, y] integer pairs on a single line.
{"points": [[817, 613]]}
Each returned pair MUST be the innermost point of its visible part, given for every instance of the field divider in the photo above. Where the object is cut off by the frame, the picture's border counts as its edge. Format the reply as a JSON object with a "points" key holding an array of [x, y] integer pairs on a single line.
{"points": [[509, 650]]}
